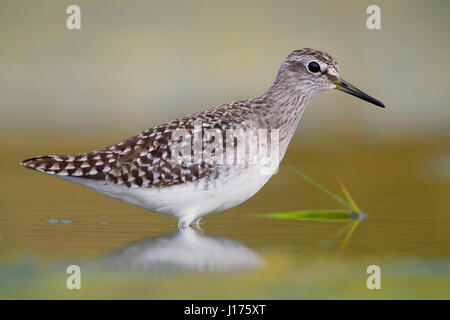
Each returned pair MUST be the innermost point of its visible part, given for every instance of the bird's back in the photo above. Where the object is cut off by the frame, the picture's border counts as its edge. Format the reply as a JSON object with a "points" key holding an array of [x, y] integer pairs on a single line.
{"points": [[147, 159]]}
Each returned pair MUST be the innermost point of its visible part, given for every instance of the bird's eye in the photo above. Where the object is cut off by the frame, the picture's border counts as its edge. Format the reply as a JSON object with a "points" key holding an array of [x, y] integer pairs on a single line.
{"points": [[313, 67]]}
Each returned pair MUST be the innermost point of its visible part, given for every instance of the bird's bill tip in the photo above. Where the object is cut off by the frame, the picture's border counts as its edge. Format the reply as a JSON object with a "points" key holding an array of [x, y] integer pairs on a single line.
{"points": [[346, 87]]}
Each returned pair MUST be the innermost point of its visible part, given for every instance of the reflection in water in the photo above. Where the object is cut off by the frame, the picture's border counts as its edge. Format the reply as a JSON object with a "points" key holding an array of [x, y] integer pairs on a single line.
{"points": [[348, 231], [353, 213], [184, 250]]}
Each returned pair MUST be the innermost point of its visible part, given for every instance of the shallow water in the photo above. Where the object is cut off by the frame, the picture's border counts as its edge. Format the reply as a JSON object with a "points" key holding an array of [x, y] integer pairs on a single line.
{"points": [[47, 224]]}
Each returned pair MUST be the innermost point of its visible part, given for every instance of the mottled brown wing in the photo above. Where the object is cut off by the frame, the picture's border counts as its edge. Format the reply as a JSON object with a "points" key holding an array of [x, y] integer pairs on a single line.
{"points": [[144, 160]]}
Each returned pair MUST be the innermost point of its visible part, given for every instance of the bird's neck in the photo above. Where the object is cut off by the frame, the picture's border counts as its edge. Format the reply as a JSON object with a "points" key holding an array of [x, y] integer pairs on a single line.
{"points": [[286, 98], [284, 104]]}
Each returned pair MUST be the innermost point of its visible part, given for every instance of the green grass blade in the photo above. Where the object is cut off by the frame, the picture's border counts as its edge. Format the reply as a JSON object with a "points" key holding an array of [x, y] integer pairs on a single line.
{"points": [[321, 188], [348, 196], [337, 215]]}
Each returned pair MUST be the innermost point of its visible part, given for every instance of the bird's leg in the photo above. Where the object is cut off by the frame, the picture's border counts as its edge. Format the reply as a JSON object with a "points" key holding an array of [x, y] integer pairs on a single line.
{"points": [[181, 225], [197, 224], [185, 221]]}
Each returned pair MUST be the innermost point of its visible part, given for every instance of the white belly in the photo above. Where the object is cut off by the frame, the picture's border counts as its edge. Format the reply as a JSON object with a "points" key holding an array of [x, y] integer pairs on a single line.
{"points": [[188, 201]]}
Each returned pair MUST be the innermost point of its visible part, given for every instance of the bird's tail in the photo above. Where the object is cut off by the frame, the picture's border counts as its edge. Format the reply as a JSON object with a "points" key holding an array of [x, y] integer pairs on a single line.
{"points": [[47, 164], [92, 165]]}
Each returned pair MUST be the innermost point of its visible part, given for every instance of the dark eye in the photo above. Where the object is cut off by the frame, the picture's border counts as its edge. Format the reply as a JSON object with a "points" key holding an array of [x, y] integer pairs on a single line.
{"points": [[313, 67]]}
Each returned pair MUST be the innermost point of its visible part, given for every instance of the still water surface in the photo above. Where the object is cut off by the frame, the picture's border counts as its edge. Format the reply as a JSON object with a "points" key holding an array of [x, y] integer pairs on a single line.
{"points": [[47, 224]]}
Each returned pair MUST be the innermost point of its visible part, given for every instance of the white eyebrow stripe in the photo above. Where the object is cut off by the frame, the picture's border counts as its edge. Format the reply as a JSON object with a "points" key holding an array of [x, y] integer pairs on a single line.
{"points": [[323, 66]]}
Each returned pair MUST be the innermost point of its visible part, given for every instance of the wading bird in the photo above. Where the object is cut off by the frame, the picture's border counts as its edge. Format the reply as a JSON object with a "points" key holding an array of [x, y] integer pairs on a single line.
{"points": [[143, 171]]}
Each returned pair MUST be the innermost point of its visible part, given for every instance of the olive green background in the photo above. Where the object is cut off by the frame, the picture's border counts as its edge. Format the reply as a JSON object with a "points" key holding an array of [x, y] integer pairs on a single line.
{"points": [[136, 64]]}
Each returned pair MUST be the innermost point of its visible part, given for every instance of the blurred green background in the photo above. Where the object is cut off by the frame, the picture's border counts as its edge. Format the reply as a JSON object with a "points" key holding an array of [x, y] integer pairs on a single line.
{"points": [[136, 64]]}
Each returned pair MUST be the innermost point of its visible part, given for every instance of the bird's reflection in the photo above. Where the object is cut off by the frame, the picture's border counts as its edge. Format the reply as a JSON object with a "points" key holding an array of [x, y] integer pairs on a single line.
{"points": [[183, 250]]}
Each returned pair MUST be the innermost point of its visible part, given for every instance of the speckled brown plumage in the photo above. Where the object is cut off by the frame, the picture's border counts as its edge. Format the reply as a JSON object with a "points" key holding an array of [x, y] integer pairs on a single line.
{"points": [[145, 160], [144, 170]]}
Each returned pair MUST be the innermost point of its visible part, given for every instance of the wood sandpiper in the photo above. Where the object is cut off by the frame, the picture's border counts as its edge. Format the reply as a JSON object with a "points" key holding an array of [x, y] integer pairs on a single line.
{"points": [[143, 171]]}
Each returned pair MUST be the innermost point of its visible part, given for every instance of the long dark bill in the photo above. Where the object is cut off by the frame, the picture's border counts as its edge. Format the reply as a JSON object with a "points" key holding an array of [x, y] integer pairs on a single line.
{"points": [[343, 85]]}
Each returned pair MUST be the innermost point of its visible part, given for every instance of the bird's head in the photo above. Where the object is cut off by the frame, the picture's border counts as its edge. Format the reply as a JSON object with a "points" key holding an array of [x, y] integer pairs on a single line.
{"points": [[312, 71]]}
